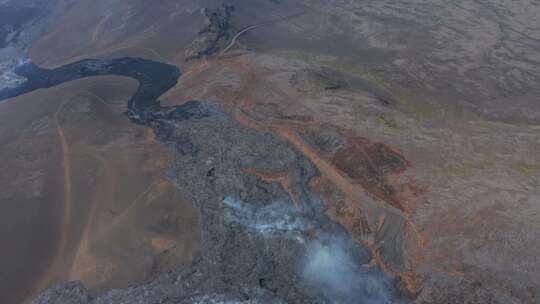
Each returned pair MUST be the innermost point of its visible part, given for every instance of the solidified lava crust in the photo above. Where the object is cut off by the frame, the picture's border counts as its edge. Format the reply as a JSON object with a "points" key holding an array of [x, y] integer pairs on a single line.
{"points": [[258, 246]]}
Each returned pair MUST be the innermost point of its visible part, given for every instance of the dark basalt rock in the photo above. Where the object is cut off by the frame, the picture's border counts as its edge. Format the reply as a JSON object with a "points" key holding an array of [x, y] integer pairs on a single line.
{"points": [[215, 34], [257, 247], [12, 21], [68, 293]]}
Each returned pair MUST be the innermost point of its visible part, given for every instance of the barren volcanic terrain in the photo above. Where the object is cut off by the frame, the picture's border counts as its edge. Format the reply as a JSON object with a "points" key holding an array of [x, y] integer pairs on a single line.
{"points": [[270, 151]]}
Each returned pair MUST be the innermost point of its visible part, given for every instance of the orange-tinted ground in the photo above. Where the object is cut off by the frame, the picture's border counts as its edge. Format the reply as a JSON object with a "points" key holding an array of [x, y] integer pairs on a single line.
{"points": [[461, 190], [373, 189], [111, 217]]}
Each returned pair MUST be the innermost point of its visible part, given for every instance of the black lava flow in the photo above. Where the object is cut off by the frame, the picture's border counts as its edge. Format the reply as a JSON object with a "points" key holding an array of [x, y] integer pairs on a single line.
{"points": [[155, 78]]}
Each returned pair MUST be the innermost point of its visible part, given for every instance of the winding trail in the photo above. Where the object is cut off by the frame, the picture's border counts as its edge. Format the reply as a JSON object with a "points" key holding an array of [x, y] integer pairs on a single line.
{"points": [[254, 26], [66, 164], [44, 281]]}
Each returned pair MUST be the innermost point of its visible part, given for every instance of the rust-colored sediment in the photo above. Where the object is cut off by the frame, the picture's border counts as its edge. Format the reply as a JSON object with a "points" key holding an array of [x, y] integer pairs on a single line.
{"points": [[378, 169], [352, 175], [283, 178], [360, 181]]}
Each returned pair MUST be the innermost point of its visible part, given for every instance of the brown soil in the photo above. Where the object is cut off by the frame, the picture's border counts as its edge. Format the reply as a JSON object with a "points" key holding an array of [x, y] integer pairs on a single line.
{"points": [[457, 194], [112, 217]]}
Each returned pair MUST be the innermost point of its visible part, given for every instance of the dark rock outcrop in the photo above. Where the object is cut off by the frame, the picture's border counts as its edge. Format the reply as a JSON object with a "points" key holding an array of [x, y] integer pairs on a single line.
{"points": [[214, 35]]}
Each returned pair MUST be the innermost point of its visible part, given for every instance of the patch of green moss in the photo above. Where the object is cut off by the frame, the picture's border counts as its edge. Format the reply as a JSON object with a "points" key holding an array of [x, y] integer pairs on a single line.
{"points": [[534, 294], [333, 62], [454, 171], [415, 100], [485, 164], [309, 57], [326, 84], [464, 169], [526, 169], [388, 122]]}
